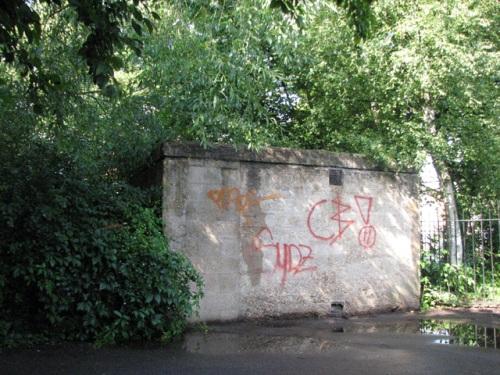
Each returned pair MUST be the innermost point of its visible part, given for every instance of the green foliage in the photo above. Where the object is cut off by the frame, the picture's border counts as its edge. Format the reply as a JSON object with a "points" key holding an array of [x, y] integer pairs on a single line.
{"points": [[208, 73], [83, 256], [445, 284], [422, 82], [358, 11], [425, 82], [106, 25], [453, 285], [467, 334], [360, 15], [224, 71]]}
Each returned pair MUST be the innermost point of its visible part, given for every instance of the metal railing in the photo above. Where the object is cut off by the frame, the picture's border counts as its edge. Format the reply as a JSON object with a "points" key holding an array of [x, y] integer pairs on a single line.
{"points": [[476, 243]]}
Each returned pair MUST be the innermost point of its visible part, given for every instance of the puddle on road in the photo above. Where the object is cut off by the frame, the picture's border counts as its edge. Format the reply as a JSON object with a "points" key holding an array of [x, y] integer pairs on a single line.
{"points": [[464, 334], [322, 336], [236, 343]]}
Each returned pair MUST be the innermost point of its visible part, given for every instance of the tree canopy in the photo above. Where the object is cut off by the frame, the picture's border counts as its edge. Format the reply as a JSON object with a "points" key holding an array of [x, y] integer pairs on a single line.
{"points": [[423, 81], [105, 27]]}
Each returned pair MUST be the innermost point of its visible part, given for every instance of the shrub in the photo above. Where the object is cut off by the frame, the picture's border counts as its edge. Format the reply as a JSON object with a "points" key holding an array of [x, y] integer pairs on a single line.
{"points": [[443, 283], [83, 256]]}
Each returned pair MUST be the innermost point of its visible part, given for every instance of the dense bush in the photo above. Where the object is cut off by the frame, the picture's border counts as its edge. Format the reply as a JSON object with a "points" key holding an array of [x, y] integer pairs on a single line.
{"points": [[83, 256], [444, 284]]}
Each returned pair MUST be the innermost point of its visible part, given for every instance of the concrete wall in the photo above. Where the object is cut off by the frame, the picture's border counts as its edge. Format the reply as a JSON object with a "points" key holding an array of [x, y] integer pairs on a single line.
{"points": [[291, 232]]}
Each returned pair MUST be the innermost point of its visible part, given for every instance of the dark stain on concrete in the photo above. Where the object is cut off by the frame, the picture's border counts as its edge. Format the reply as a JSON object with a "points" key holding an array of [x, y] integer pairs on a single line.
{"points": [[180, 170], [255, 220]]}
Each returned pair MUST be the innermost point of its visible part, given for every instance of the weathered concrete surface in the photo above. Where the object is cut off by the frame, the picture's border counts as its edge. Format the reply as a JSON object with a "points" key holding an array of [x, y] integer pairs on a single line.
{"points": [[275, 233], [388, 344]]}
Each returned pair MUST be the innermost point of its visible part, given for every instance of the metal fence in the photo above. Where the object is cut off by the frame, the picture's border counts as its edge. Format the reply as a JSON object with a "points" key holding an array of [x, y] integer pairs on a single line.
{"points": [[473, 243]]}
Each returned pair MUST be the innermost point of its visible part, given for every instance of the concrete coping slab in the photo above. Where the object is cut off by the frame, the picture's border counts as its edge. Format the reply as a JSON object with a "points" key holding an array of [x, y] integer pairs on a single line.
{"points": [[272, 155]]}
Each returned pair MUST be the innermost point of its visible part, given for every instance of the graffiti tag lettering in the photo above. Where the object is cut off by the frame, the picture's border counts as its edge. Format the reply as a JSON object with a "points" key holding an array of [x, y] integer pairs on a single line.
{"points": [[367, 234], [227, 196], [320, 214], [289, 258], [342, 225]]}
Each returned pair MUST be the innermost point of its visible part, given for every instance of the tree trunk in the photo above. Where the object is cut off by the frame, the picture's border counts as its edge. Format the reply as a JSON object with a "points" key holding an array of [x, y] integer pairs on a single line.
{"points": [[452, 220]]}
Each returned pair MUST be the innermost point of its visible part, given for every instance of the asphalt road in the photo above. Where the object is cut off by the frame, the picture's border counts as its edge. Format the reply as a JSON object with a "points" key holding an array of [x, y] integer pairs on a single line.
{"points": [[386, 344]]}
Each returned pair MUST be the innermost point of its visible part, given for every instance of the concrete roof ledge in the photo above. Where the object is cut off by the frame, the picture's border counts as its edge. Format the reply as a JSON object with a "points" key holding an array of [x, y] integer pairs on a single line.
{"points": [[272, 155]]}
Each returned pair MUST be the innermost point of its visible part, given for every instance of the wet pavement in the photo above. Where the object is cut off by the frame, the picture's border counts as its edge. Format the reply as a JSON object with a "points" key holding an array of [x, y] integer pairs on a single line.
{"points": [[458, 343]]}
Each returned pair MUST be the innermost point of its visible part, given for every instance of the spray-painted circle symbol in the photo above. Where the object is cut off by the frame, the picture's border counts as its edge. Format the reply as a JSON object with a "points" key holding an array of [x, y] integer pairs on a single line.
{"points": [[367, 236]]}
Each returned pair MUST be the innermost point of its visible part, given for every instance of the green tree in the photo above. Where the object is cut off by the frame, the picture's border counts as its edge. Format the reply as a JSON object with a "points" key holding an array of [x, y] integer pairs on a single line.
{"points": [[425, 82], [76, 238], [103, 28]]}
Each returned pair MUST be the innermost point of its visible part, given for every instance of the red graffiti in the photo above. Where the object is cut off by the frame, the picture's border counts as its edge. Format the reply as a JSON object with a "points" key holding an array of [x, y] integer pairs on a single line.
{"points": [[320, 212], [341, 226], [290, 258], [367, 234], [364, 206]]}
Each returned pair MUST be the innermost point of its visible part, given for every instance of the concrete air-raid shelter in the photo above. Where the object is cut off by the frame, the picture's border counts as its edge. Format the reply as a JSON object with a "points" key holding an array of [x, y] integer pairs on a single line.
{"points": [[282, 231]]}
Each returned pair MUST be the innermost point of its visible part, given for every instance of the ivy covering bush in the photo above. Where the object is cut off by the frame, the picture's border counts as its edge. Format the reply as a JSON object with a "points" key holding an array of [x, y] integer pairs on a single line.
{"points": [[83, 256]]}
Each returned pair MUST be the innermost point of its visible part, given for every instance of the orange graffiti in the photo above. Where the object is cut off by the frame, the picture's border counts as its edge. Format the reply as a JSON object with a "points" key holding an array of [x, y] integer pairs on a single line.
{"points": [[227, 196]]}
